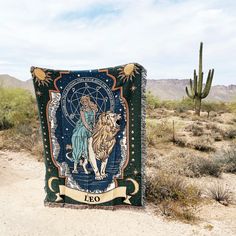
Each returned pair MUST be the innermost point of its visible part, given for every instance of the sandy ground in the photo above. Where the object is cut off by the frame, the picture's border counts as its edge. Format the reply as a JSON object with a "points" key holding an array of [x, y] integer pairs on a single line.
{"points": [[23, 212]]}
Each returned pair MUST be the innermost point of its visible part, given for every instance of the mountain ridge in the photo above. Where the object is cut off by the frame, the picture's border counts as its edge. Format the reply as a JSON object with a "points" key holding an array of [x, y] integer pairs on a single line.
{"points": [[165, 89]]}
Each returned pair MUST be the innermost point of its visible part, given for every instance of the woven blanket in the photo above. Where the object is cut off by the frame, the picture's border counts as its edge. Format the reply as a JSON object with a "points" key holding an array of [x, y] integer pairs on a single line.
{"points": [[93, 128]]}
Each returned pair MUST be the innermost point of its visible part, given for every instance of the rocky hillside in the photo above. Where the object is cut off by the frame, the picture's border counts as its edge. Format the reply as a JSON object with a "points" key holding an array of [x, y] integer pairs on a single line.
{"points": [[165, 89], [8, 81], [173, 89]]}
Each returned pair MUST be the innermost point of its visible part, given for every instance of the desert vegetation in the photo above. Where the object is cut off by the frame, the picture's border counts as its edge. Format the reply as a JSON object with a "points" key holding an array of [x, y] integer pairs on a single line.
{"points": [[19, 123], [187, 152]]}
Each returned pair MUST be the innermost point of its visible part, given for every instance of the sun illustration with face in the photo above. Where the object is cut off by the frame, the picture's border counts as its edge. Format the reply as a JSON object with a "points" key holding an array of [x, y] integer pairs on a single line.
{"points": [[127, 72], [41, 77]]}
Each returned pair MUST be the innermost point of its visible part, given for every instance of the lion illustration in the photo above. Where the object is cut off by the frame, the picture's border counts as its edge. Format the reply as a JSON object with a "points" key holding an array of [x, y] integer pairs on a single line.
{"points": [[101, 143]]}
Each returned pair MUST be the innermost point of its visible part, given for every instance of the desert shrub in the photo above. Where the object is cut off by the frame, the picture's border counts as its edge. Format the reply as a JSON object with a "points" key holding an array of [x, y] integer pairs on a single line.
{"points": [[159, 132], [172, 196], [5, 123], [209, 107], [152, 101], [220, 193], [196, 129], [209, 167], [227, 159], [180, 141], [232, 107], [178, 211], [17, 106], [184, 105], [218, 134], [234, 120], [203, 144], [162, 187], [179, 106], [219, 107], [230, 134], [214, 128], [196, 166], [152, 131], [203, 147], [19, 120]]}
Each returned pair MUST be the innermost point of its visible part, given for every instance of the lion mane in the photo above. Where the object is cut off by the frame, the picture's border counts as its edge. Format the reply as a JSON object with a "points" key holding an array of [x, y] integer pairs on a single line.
{"points": [[104, 135]]}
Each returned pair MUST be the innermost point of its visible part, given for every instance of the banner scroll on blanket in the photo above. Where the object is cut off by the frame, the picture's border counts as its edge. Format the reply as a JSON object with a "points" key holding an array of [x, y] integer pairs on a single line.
{"points": [[93, 128]]}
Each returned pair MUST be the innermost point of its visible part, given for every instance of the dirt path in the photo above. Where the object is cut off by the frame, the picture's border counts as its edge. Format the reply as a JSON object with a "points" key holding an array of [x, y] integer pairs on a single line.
{"points": [[23, 212]]}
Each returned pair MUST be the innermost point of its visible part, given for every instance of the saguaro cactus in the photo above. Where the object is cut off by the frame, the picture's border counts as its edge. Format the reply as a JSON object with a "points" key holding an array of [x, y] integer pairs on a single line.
{"points": [[197, 93]]}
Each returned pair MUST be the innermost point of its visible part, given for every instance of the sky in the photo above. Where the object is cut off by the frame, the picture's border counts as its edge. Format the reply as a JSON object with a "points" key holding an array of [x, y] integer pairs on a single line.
{"points": [[162, 35]]}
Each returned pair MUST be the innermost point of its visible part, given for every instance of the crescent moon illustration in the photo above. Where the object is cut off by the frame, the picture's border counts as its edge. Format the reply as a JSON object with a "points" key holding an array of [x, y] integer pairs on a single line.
{"points": [[50, 183], [136, 186]]}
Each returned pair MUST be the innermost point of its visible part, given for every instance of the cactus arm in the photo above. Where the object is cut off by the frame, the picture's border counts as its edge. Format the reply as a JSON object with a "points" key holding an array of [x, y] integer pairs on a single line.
{"points": [[195, 82], [208, 84], [189, 95], [200, 75], [191, 86]]}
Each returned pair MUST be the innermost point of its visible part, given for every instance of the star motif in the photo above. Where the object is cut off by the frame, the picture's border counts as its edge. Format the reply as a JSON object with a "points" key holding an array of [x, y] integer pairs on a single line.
{"points": [[38, 93], [133, 88]]}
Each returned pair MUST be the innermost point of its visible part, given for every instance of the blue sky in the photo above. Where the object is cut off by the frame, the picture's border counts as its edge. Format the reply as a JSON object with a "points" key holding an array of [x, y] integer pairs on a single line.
{"points": [[162, 35]]}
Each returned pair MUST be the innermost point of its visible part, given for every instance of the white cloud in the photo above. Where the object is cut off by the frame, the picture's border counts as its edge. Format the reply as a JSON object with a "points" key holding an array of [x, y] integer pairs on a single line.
{"points": [[163, 36]]}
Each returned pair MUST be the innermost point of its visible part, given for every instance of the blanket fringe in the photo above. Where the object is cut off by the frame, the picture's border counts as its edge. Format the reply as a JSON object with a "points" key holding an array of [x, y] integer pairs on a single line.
{"points": [[84, 207], [143, 133]]}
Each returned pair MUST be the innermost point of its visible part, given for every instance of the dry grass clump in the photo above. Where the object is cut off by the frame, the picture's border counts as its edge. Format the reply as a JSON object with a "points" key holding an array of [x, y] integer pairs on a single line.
{"points": [[24, 137], [219, 133], [203, 144], [158, 132], [190, 165], [226, 159], [152, 131], [196, 129], [201, 166], [220, 193], [181, 141], [172, 196], [230, 134], [214, 128], [195, 165]]}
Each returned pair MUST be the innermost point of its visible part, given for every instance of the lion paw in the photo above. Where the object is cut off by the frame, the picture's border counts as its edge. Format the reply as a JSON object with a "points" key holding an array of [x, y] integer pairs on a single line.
{"points": [[98, 177], [104, 176]]}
